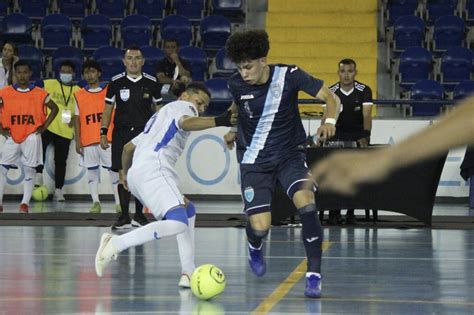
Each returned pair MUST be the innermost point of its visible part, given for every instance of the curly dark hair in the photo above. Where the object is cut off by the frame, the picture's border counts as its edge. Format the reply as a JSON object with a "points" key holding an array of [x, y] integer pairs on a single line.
{"points": [[248, 45]]}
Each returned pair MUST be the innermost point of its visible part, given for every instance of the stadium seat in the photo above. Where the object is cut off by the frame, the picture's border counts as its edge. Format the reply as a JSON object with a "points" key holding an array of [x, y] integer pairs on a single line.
{"points": [[17, 28], [191, 9], [408, 31], [110, 60], [96, 31], [220, 96], [438, 8], [426, 90], [449, 31], [114, 9], [463, 89], [214, 30], [398, 8], [153, 9], [222, 66], [177, 27], [68, 53], [229, 8], [468, 12], [416, 64], [136, 30], [35, 57], [456, 66], [152, 55], [56, 31], [34, 9], [197, 58], [4, 6], [74, 9]]}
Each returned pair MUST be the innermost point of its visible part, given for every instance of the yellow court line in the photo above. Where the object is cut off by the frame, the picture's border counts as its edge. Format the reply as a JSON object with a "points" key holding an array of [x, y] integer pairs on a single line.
{"points": [[279, 293]]}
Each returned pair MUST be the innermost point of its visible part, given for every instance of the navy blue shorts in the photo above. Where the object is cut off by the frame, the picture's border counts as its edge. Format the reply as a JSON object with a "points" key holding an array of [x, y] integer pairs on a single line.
{"points": [[258, 182]]}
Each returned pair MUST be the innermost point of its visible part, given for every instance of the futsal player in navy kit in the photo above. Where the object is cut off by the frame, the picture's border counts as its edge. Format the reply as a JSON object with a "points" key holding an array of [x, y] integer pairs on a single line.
{"points": [[271, 141]]}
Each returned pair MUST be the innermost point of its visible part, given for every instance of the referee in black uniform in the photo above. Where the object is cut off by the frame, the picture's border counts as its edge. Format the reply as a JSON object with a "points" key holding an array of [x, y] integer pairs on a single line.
{"points": [[355, 120], [136, 96]]}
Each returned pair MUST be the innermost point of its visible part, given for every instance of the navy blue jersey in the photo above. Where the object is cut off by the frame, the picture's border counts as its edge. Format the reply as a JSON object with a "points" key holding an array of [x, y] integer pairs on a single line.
{"points": [[269, 121]]}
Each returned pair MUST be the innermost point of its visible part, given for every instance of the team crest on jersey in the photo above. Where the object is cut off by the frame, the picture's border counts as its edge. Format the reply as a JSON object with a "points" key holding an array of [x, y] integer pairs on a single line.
{"points": [[124, 94], [249, 193], [247, 109], [275, 89]]}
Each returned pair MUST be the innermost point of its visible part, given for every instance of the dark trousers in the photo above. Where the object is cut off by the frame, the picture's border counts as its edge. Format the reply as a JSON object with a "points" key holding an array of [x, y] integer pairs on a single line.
{"points": [[61, 151]]}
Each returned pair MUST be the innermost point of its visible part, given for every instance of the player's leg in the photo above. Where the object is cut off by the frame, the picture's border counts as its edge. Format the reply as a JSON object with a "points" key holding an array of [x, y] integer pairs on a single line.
{"points": [[9, 156], [105, 159], [186, 246], [90, 160], [31, 157], [61, 152], [46, 139]]}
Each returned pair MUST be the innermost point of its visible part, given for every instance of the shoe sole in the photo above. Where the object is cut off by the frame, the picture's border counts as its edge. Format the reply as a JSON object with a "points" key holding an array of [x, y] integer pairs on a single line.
{"points": [[104, 239], [136, 223], [122, 227]]}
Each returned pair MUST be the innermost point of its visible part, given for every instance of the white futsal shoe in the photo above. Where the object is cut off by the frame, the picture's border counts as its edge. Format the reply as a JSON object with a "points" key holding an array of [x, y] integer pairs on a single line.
{"points": [[184, 281], [106, 252]]}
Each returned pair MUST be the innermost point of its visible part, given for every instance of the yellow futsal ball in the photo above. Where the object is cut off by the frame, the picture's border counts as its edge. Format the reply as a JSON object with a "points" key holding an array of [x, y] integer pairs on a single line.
{"points": [[207, 281], [40, 193]]}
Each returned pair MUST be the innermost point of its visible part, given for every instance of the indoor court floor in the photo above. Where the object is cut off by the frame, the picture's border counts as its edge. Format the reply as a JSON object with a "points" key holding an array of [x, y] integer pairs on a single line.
{"points": [[50, 270]]}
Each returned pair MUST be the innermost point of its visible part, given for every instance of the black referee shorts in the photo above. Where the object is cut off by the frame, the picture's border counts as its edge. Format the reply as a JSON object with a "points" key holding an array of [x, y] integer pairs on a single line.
{"points": [[120, 137]]}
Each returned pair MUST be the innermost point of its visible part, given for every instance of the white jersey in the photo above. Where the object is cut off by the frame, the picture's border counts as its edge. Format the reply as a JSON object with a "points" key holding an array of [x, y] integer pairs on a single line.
{"points": [[162, 141]]}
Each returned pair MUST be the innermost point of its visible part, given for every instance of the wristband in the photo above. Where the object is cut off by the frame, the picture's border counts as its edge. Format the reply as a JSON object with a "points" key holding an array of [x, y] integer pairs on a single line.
{"points": [[103, 131], [331, 121], [224, 119], [233, 129]]}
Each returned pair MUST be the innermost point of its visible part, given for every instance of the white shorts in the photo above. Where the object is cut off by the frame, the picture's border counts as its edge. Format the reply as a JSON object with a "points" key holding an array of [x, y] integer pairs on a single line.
{"points": [[28, 153], [156, 189], [94, 155]]}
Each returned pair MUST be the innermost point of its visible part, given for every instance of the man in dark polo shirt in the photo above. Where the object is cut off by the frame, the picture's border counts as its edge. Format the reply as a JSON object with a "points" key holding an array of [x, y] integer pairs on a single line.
{"points": [[136, 97]]}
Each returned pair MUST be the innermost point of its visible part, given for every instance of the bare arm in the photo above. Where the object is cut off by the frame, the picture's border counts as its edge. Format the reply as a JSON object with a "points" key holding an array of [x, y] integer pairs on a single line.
{"points": [[333, 105], [77, 134], [106, 117], [200, 123], [52, 114], [367, 125], [163, 79]]}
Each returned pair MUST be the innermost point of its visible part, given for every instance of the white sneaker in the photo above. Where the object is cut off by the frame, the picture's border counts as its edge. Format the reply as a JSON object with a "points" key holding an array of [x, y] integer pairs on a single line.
{"points": [[184, 281], [58, 195], [106, 252]]}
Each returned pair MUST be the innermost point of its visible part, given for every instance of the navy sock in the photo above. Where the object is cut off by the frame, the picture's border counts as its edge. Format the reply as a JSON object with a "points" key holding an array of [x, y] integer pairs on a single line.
{"points": [[138, 206], [124, 196], [254, 237], [312, 236]]}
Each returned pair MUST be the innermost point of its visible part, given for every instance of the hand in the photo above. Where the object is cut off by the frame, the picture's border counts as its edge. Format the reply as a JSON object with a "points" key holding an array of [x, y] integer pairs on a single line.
{"points": [[104, 142], [229, 139], [41, 129], [79, 149], [5, 132], [175, 58], [185, 79], [234, 119], [363, 142], [326, 131]]}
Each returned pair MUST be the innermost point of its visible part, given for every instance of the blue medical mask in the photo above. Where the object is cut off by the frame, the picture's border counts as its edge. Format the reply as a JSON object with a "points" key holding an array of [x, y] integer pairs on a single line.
{"points": [[65, 77]]}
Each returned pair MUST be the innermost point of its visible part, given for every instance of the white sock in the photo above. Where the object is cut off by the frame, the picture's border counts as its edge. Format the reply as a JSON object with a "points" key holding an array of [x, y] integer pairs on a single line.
{"points": [[93, 182], [28, 184], [149, 232], [114, 180], [186, 247], [3, 181]]}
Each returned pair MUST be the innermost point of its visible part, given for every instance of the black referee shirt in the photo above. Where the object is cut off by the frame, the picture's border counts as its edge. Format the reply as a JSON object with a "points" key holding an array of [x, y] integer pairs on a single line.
{"points": [[167, 67], [351, 118], [134, 98]]}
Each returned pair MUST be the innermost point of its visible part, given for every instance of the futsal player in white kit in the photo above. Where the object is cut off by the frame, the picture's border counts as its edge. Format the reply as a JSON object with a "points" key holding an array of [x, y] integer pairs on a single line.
{"points": [[153, 180]]}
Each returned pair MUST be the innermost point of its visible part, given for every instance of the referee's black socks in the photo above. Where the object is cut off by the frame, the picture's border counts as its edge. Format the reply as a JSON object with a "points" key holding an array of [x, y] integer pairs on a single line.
{"points": [[312, 233], [124, 196]]}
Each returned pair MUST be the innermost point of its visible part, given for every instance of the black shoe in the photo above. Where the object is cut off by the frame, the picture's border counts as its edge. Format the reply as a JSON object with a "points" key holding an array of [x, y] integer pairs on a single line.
{"points": [[351, 219], [123, 222], [139, 219]]}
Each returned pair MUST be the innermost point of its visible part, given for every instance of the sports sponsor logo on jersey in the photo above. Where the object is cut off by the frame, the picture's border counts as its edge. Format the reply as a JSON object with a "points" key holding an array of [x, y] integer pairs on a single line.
{"points": [[124, 94], [247, 97], [249, 193]]}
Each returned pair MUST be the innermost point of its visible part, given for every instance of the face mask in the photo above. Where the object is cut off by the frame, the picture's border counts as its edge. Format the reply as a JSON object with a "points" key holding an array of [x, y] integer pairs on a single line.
{"points": [[65, 77]]}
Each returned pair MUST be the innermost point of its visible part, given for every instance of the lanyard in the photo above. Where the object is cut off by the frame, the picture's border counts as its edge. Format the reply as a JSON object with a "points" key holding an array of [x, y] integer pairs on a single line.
{"points": [[66, 100]]}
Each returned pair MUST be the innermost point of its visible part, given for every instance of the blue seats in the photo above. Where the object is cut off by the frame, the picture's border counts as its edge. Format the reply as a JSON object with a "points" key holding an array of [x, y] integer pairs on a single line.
{"points": [[153, 9], [214, 30], [56, 31], [35, 9], [426, 90], [415, 64], [110, 60], [68, 53], [197, 58], [220, 96], [177, 27], [408, 31], [448, 31], [191, 9], [223, 67], [35, 57], [456, 66], [17, 28], [398, 8], [74, 9], [96, 31], [463, 89], [136, 30], [228, 8], [469, 12], [438, 8], [152, 55], [114, 9], [4, 5]]}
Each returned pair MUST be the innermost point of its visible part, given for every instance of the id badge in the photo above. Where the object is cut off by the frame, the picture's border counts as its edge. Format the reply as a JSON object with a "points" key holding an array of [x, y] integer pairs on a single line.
{"points": [[65, 116]]}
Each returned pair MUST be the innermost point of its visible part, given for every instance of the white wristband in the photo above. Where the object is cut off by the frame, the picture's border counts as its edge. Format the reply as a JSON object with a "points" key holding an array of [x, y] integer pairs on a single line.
{"points": [[233, 129], [331, 121]]}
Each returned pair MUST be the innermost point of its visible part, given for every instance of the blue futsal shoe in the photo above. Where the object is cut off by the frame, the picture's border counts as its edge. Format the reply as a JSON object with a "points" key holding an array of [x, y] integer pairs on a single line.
{"points": [[256, 261], [313, 285]]}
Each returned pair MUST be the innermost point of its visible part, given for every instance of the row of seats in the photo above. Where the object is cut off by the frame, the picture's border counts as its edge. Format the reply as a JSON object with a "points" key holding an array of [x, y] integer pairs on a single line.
{"points": [[96, 30], [118, 9], [111, 60]]}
